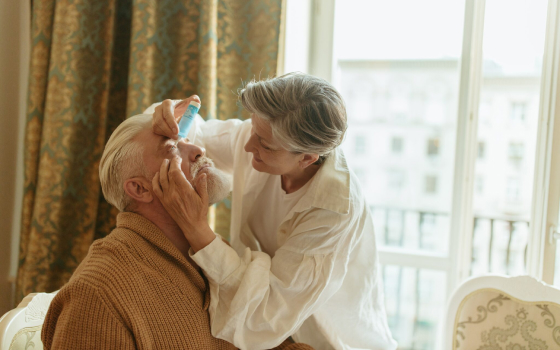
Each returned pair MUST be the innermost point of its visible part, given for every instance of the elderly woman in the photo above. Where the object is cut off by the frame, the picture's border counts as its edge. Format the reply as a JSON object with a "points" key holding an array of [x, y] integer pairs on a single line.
{"points": [[303, 260]]}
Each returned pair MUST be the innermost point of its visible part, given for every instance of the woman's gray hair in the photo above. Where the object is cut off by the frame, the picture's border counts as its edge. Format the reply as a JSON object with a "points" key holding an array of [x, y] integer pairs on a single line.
{"points": [[122, 159], [306, 113]]}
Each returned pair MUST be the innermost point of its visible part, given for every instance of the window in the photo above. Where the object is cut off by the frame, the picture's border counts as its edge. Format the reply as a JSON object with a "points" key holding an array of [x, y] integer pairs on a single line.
{"points": [[428, 90], [433, 147], [518, 110], [399, 97], [481, 149], [397, 145], [516, 151], [485, 111], [359, 101], [513, 189], [360, 144], [509, 80], [430, 184], [479, 184], [437, 92], [396, 179]]}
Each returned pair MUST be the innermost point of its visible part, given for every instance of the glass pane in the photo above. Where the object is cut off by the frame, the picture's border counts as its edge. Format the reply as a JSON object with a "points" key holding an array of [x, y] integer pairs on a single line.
{"points": [[557, 266], [499, 246], [413, 299], [398, 72], [410, 228], [513, 47], [556, 280]]}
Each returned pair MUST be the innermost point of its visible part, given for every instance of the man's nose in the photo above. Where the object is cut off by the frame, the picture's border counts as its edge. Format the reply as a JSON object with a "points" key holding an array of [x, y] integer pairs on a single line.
{"points": [[195, 152]]}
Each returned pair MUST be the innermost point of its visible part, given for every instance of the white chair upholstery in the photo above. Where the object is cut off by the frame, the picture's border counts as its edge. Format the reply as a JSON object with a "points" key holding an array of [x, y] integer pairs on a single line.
{"points": [[499, 312], [20, 328]]}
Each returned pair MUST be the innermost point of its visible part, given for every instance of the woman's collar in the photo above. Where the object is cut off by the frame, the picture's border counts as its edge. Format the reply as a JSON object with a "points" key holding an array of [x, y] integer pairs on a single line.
{"points": [[330, 187]]}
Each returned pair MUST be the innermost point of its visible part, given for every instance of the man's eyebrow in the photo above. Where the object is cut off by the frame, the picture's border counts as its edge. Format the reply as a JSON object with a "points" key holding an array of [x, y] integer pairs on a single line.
{"points": [[162, 144]]}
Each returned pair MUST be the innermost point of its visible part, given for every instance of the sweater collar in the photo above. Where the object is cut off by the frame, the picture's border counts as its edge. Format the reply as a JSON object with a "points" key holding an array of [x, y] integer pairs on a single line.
{"points": [[150, 232]]}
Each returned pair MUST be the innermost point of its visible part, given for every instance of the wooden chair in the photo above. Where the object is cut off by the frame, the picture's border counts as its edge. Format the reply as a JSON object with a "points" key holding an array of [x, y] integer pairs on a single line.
{"points": [[500, 312], [20, 328]]}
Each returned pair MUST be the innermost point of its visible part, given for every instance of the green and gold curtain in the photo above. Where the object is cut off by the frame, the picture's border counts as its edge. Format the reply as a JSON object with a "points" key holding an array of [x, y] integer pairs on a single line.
{"points": [[96, 62]]}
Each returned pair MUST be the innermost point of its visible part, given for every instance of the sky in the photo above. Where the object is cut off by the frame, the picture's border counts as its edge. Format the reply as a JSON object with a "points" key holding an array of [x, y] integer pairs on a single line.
{"points": [[514, 30]]}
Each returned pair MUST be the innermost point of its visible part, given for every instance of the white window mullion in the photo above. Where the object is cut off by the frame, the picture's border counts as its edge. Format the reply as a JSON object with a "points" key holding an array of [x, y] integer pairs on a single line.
{"points": [[321, 55], [546, 190], [465, 151], [297, 36], [416, 259]]}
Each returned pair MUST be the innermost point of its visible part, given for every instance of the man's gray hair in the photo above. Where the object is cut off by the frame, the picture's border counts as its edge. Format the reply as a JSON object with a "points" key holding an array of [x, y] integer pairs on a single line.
{"points": [[306, 113], [122, 159]]}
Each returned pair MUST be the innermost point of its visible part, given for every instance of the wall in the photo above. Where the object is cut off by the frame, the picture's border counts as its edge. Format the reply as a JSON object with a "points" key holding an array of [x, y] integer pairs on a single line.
{"points": [[14, 67]]}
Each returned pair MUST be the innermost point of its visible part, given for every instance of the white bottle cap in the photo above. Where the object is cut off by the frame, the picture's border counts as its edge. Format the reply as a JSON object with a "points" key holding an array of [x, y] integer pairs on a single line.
{"points": [[196, 104]]}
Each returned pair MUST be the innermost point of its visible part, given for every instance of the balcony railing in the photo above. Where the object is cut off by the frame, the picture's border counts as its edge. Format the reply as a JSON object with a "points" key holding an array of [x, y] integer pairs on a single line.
{"points": [[414, 256], [499, 242]]}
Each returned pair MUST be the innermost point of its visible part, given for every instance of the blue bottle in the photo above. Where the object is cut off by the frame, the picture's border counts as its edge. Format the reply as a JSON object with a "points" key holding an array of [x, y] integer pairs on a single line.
{"points": [[187, 119]]}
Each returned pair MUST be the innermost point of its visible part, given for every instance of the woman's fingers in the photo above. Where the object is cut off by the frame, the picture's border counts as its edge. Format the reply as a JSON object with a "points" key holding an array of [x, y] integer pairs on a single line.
{"points": [[202, 188], [177, 178], [158, 126], [156, 186], [168, 118], [187, 206], [163, 122], [195, 98], [182, 106], [163, 177], [180, 109]]}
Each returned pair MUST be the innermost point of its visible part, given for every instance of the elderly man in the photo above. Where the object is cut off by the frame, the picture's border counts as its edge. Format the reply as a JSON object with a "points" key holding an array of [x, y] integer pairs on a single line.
{"points": [[138, 288]]}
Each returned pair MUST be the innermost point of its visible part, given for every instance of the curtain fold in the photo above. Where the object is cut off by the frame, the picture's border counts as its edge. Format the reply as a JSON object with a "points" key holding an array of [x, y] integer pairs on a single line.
{"points": [[96, 62]]}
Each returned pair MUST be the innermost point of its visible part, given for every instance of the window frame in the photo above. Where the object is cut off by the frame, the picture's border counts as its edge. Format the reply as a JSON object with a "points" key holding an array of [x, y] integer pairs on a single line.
{"points": [[546, 184], [541, 251]]}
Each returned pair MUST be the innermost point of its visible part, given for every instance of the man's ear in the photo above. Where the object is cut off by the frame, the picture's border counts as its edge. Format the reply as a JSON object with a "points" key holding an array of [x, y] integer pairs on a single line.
{"points": [[139, 189], [308, 159]]}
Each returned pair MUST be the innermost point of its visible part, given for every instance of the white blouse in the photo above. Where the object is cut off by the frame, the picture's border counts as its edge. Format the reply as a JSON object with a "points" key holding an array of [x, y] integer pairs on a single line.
{"points": [[322, 287], [269, 210]]}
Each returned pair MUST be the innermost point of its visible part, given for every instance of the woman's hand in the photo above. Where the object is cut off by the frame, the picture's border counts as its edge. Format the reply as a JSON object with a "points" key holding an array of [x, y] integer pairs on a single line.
{"points": [[186, 204], [166, 117]]}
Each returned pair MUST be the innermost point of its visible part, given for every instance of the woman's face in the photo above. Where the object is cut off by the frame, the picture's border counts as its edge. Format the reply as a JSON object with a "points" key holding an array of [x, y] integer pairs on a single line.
{"points": [[268, 155]]}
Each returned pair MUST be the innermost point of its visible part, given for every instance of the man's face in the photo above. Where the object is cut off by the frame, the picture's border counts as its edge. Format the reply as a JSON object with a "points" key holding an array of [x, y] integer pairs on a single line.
{"points": [[157, 148], [194, 162]]}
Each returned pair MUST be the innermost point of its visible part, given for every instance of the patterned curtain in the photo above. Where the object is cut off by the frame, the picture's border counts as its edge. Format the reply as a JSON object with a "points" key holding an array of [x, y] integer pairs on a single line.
{"points": [[96, 62]]}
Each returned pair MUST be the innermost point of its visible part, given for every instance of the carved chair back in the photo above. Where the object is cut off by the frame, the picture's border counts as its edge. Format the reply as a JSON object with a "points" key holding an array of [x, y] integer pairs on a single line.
{"points": [[20, 328], [500, 312]]}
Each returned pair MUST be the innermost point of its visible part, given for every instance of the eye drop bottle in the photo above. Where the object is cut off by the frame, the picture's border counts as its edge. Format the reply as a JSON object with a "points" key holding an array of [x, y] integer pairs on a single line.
{"points": [[187, 119]]}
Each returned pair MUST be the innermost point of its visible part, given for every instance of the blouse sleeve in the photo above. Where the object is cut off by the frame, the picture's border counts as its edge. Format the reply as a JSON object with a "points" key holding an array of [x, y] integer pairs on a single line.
{"points": [[256, 301]]}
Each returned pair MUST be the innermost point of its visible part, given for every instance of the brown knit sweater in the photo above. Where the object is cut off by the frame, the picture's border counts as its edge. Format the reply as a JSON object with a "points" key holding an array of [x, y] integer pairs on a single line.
{"points": [[134, 290]]}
